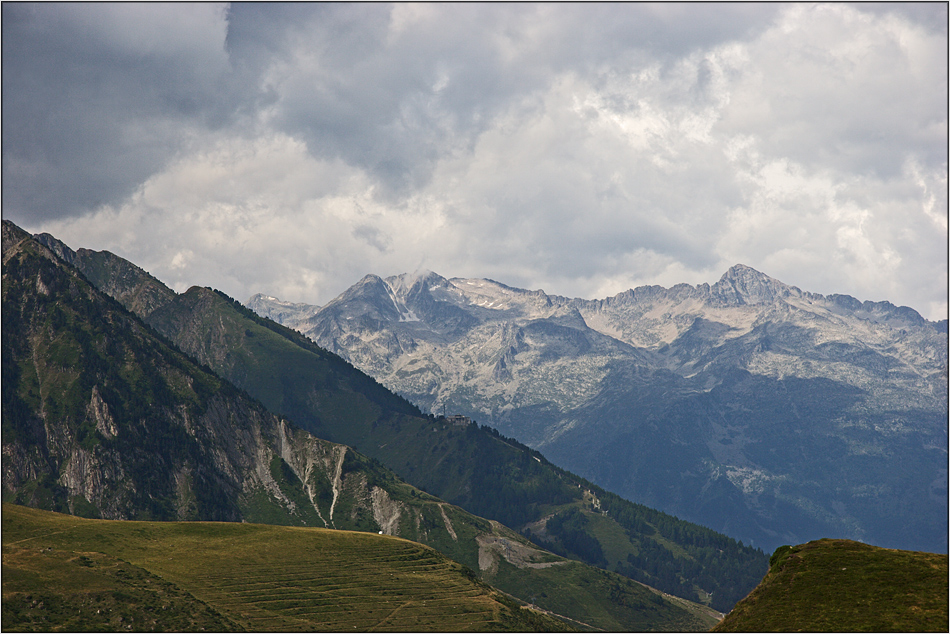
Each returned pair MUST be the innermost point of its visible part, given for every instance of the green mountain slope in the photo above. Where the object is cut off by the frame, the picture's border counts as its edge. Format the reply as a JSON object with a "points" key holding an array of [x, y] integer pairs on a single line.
{"points": [[837, 585], [102, 417], [66, 573], [470, 466]]}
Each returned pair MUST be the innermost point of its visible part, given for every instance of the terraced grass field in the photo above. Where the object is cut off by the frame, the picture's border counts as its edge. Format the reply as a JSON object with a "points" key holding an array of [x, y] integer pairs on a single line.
{"points": [[63, 573]]}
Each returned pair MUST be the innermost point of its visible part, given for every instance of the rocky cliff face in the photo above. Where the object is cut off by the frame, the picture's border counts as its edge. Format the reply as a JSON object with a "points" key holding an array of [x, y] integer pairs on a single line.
{"points": [[751, 406]]}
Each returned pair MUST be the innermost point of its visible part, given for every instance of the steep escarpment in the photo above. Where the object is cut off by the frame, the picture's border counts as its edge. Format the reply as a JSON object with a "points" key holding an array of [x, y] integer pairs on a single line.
{"points": [[102, 417]]}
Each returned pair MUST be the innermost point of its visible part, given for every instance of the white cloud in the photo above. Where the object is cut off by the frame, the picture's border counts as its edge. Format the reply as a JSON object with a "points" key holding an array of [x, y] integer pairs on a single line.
{"points": [[834, 86], [248, 214]]}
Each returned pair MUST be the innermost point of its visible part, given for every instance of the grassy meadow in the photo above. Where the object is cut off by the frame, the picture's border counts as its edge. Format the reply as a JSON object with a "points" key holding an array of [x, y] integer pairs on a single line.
{"points": [[838, 585], [63, 573]]}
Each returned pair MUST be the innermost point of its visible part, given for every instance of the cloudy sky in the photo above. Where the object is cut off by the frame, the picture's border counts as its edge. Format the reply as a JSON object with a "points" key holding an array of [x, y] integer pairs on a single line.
{"points": [[582, 148]]}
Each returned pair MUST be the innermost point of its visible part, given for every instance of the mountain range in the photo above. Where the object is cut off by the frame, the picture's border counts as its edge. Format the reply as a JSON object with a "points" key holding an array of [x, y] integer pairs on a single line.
{"points": [[148, 404], [125, 399], [768, 413]]}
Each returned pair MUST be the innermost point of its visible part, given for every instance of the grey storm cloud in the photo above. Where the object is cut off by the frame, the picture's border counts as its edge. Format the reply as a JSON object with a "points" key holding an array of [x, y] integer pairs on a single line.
{"points": [[96, 98], [394, 100], [291, 148]]}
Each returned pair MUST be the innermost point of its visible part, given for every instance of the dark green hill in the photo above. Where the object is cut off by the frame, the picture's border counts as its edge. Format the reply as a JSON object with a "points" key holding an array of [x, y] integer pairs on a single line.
{"points": [[103, 417], [838, 585], [62, 573]]}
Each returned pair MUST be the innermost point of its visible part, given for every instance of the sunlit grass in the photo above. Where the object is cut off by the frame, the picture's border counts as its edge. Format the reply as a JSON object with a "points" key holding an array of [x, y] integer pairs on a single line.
{"points": [[845, 586], [231, 576]]}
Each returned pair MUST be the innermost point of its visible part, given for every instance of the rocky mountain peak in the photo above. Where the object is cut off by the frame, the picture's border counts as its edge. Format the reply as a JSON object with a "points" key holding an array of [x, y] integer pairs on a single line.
{"points": [[370, 288], [408, 284], [369, 283], [131, 285], [56, 246], [373, 298], [12, 235], [742, 285], [280, 311]]}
